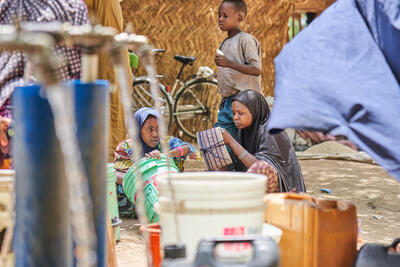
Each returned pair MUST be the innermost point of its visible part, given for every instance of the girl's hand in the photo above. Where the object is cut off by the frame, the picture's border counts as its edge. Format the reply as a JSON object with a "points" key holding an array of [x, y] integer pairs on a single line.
{"points": [[227, 136], [120, 176], [192, 155], [155, 154], [221, 61], [4, 122]]}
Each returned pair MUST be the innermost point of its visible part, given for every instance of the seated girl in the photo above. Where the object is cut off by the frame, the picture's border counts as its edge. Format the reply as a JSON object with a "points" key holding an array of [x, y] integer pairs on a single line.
{"points": [[257, 150], [147, 121]]}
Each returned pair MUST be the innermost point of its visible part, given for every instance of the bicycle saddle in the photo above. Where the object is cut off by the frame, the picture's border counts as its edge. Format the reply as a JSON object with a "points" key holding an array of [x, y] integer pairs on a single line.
{"points": [[184, 60]]}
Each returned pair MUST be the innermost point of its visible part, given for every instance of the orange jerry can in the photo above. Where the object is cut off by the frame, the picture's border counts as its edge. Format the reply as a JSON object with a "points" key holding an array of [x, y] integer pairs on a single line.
{"points": [[316, 231]]}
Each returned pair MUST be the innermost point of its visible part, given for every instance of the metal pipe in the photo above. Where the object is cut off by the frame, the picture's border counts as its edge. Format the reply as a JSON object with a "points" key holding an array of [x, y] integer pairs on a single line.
{"points": [[133, 133], [81, 205], [39, 47], [146, 52], [163, 130], [90, 64], [91, 106]]}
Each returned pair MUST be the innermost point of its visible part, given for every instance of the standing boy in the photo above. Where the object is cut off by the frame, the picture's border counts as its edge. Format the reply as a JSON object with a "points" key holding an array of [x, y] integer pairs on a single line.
{"points": [[238, 61]]}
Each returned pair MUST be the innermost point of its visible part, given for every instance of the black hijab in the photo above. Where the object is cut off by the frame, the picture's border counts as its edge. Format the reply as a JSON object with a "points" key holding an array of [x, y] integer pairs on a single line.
{"points": [[258, 107], [277, 149]]}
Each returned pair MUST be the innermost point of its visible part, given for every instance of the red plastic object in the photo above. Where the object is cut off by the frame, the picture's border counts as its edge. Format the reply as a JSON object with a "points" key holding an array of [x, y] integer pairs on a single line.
{"points": [[154, 242]]}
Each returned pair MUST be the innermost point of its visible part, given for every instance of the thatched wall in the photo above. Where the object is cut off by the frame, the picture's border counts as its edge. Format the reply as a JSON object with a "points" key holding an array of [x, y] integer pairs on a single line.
{"points": [[189, 27], [317, 6]]}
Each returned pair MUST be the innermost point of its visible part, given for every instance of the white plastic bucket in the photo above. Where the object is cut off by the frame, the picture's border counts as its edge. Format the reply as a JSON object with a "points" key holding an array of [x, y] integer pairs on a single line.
{"points": [[211, 205]]}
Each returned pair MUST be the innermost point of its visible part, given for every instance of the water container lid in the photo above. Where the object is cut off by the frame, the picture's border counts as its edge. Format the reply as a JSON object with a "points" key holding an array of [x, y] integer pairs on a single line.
{"points": [[175, 251]]}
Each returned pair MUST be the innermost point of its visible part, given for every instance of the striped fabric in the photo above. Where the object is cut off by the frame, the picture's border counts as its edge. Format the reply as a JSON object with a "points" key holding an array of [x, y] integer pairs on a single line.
{"points": [[12, 63], [213, 149]]}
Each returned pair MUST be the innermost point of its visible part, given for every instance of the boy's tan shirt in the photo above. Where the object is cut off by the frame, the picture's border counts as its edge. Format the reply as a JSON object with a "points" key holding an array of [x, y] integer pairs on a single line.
{"points": [[243, 48]]}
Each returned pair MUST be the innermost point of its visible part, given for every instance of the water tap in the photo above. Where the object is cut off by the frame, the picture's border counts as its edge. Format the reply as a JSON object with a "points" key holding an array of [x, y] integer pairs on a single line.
{"points": [[38, 46]]}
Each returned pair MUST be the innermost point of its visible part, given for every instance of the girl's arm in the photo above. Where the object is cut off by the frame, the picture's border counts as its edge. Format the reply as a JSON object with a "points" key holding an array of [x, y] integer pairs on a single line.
{"points": [[247, 158], [120, 176], [177, 153]]}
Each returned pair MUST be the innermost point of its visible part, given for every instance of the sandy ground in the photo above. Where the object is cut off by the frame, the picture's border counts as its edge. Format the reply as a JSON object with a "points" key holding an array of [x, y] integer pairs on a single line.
{"points": [[371, 188]]}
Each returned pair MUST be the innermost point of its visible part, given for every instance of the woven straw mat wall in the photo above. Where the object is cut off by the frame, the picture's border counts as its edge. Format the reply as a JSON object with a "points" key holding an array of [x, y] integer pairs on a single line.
{"points": [[189, 27]]}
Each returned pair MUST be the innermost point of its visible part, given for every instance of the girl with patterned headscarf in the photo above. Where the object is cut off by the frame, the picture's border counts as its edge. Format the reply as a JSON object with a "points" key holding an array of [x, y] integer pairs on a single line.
{"points": [[147, 123]]}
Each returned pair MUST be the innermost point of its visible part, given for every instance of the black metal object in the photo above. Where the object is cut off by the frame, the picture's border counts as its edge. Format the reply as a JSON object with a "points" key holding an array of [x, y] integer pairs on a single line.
{"points": [[174, 251], [265, 254], [372, 255]]}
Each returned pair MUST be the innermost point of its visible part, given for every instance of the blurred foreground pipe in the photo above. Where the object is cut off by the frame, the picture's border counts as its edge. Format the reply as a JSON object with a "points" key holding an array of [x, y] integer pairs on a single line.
{"points": [[42, 229], [91, 115], [90, 64]]}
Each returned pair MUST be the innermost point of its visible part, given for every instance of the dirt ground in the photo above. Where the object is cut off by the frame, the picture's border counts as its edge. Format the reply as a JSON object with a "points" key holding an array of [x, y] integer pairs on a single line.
{"points": [[375, 193]]}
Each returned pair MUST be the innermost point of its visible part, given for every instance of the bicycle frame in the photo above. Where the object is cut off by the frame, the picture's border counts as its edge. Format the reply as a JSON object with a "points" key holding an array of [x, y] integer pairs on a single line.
{"points": [[147, 79], [171, 97], [184, 85], [178, 80]]}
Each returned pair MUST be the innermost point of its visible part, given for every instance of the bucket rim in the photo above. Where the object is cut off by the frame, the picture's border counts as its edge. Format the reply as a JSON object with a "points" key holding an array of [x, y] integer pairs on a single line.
{"points": [[153, 228], [205, 177], [145, 164]]}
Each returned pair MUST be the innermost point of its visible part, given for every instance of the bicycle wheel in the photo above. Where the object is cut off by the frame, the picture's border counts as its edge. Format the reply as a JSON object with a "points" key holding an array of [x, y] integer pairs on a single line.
{"points": [[196, 106], [142, 97]]}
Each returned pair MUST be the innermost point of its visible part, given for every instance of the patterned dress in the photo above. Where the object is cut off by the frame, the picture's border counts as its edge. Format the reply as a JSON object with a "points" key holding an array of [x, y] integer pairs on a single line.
{"points": [[123, 161], [263, 167], [12, 64]]}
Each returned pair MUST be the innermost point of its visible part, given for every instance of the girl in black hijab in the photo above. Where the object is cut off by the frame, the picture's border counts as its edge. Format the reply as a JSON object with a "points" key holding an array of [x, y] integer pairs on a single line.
{"points": [[250, 115]]}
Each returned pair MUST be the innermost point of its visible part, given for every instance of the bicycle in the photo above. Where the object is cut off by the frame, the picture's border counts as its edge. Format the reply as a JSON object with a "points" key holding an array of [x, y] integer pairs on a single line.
{"points": [[194, 105]]}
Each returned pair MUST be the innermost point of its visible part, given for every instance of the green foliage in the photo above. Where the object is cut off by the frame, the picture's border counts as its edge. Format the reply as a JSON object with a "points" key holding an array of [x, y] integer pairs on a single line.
{"points": [[303, 20]]}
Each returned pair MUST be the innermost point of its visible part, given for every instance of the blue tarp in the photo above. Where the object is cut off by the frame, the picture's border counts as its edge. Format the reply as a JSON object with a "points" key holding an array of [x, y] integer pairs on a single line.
{"points": [[334, 77]]}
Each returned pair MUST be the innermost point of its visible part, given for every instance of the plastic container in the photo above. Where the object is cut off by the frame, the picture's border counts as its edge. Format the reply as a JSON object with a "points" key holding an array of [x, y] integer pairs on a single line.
{"points": [[316, 231], [211, 205], [372, 255], [153, 231], [133, 60], [42, 231], [150, 169], [264, 253], [112, 198]]}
